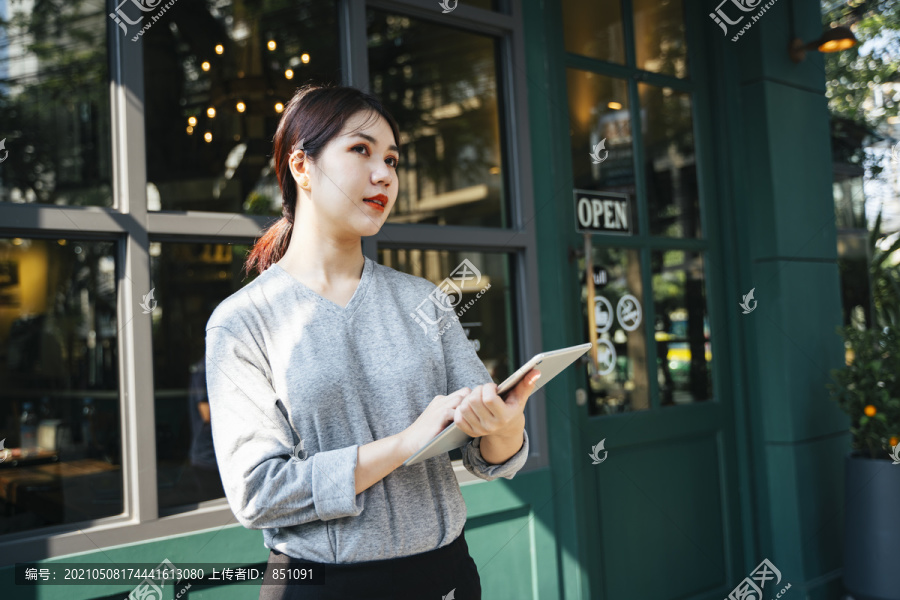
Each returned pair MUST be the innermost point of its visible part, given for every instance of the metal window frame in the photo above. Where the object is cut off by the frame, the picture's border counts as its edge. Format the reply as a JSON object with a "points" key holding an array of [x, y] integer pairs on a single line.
{"points": [[130, 224]]}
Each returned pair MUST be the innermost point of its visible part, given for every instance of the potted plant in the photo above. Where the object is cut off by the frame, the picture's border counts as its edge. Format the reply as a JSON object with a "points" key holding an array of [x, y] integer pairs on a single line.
{"points": [[868, 390]]}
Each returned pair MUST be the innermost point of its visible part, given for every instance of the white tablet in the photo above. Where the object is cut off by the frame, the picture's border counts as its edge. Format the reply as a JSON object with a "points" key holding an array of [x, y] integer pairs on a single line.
{"points": [[550, 364]]}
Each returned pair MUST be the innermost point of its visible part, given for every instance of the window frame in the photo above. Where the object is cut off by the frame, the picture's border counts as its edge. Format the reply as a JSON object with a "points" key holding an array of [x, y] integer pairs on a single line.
{"points": [[134, 228]]}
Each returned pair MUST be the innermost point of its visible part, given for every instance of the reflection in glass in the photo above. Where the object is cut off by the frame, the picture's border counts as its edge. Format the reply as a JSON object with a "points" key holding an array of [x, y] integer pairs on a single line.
{"points": [[594, 28], [660, 44], [190, 280], [684, 353], [598, 114], [214, 77], [488, 319], [441, 86], [54, 105], [617, 368], [673, 197], [59, 410]]}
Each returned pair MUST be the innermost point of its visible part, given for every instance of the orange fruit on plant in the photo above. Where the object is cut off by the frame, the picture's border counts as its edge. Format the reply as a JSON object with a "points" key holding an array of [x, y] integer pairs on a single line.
{"points": [[870, 411]]}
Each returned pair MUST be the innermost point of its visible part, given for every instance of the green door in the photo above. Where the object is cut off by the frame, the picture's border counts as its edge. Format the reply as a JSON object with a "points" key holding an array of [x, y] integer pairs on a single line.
{"points": [[655, 462]]}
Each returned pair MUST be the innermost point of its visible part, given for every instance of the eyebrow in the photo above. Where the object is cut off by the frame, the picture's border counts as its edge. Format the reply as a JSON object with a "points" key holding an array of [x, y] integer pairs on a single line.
{"points": [[368, 137]]}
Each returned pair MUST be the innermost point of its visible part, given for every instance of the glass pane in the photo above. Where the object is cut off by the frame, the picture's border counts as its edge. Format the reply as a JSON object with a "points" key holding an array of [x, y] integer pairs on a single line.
{"points": [[683, 351], [673, 198], [612, 308], [594, 28], [489, 320], [189, 281], [213, 100], [59, 410], [54, 105], [600, 129], [659, 37], [441, 86]]}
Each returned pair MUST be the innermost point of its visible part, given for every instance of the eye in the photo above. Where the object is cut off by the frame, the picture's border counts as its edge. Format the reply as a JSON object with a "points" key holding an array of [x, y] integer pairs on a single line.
{"points": [[366, 148]]}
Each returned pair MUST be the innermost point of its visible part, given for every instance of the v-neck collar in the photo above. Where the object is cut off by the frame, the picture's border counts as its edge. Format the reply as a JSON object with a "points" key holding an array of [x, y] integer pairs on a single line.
{"points": [[334, 307]]}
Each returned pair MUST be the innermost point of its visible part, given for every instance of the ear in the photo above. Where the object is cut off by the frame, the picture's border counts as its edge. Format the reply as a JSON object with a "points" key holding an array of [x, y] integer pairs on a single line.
{"points": [[297, 162]]}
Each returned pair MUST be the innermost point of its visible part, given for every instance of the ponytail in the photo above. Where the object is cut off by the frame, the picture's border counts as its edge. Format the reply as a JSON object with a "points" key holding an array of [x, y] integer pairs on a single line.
{"points": [[271, 246]]}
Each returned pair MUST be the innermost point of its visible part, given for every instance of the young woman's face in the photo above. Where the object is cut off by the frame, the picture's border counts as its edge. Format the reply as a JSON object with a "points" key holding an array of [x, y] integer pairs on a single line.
{"points": [[351, 168]]}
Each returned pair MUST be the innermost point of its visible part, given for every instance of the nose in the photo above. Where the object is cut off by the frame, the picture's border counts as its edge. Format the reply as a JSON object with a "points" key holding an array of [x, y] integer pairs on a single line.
{"points": [[382, 175]]}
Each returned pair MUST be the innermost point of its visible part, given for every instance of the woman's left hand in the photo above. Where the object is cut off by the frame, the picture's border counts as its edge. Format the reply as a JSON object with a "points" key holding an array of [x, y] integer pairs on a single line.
{"points": [[482, 412]]}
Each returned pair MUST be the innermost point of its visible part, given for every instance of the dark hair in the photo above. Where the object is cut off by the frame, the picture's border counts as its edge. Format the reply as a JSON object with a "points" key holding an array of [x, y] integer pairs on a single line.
{"points": [[315, 115]]}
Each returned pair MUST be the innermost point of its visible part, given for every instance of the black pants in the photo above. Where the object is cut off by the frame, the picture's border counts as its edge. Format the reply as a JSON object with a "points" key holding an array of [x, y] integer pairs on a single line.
{"points": [[427, 576]]}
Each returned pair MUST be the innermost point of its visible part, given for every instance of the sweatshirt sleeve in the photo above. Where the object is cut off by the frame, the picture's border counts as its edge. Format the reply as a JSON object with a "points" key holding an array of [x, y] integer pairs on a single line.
{"points": [[464, 368], [266, 486]]}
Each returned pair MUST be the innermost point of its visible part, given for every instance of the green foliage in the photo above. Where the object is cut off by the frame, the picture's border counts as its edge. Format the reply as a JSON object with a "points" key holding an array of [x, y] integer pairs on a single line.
{"points": [[872, 377], [852, 76]]}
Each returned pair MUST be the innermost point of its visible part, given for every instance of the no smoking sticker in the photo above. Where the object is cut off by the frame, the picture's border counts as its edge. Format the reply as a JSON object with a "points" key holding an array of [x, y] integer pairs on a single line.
{"points": [[628, 310]]}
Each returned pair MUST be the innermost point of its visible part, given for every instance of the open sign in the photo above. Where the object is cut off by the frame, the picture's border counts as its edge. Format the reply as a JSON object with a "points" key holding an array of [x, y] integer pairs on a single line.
{"points": [[602, 212]]}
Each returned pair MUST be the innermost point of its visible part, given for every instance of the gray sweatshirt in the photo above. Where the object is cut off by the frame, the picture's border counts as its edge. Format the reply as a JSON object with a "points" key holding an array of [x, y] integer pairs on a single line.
{"points": [[285, 365]]}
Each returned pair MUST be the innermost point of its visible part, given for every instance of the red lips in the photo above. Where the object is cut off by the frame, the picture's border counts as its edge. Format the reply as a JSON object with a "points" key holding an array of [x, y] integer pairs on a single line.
{"points": [[380, 197]]}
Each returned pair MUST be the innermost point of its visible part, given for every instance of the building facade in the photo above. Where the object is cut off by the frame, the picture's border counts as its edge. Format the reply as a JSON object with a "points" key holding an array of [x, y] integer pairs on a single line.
{"points": [[638, 174]]}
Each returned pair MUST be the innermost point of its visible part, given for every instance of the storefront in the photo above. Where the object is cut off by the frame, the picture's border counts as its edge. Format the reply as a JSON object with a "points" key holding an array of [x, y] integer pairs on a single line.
{"points": [[616, 172]]}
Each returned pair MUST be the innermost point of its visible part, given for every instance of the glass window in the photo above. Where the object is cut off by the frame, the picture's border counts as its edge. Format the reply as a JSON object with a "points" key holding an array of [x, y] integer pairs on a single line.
{"points": [[673, 197], [54, 105], [485, 313], [683, 351], [660, 44], [441, 86], [601, 126], [59, 411], [215, 81], [189, 281], [594, 28], [613, 309]]}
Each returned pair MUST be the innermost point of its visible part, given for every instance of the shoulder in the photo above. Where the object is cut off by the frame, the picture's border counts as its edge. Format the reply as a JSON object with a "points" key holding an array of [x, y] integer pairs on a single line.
{"points": [[241, 313]]}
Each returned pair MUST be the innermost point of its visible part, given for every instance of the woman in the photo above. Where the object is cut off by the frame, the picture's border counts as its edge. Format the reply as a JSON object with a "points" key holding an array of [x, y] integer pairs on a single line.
{"points": [[321, 384]]}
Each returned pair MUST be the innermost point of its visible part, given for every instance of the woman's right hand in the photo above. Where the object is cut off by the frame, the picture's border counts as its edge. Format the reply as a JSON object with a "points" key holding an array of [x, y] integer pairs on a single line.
{"points": [[433, 420]]}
